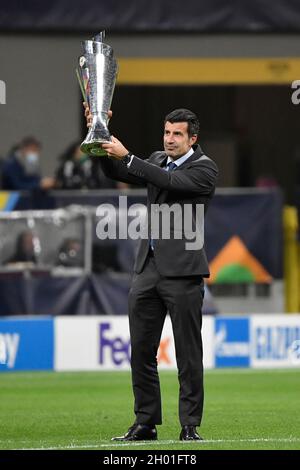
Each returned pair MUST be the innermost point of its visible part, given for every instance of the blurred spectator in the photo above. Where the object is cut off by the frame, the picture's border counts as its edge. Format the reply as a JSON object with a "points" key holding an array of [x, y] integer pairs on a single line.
{"points": [[80, 171], [27, 249], [70, 254], [20, 171]]}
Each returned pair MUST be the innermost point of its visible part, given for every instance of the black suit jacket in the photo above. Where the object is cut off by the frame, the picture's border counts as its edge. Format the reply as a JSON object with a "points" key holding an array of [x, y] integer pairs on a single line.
{"points": [[191, 183]]}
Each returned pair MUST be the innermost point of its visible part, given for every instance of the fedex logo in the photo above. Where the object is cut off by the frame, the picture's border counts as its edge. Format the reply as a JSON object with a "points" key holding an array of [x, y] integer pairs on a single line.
{"points": [[116, 350]]}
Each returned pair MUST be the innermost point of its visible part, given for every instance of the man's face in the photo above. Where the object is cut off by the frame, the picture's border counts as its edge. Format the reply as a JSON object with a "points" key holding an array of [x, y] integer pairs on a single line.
{"points": [[177, 141]]}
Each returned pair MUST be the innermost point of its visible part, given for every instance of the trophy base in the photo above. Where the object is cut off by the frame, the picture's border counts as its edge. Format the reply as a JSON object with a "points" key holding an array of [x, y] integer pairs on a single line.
{"points": [[94, 148]]}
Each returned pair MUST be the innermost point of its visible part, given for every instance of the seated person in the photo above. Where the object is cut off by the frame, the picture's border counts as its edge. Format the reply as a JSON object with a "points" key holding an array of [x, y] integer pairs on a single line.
{"points": [[20, 171], [80, 171], [70, 254], [26, 249]]}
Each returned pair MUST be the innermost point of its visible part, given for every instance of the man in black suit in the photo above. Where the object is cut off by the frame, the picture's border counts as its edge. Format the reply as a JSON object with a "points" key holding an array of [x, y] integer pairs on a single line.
{"points": [[168, 277]]}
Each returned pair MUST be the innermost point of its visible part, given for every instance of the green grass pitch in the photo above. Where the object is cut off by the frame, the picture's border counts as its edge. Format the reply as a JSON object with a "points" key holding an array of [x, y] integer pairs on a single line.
{"points": [[244, 409]]}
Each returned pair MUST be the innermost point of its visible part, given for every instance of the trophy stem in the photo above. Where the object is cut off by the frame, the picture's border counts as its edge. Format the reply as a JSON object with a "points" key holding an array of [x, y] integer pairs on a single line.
{"points": [[98, 134]]}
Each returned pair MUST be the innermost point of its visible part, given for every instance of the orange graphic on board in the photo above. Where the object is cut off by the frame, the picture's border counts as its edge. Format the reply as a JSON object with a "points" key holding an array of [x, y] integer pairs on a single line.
{"points": [[163, 355], [235, 263]]}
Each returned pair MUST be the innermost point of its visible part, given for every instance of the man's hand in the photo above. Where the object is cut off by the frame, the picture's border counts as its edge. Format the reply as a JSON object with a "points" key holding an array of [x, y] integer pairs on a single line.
{"points": [[88, 115], [115, 149]]}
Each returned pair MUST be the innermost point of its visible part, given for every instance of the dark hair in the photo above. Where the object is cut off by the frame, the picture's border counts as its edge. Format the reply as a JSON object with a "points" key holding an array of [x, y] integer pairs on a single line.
{"points": [[28, 141], [184, 115], [69, 152]]}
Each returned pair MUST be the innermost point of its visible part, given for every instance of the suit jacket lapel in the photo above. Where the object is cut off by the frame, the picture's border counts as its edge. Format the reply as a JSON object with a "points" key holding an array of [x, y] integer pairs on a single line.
{"points": [[197, 154], [162, 164], [163, 161]]}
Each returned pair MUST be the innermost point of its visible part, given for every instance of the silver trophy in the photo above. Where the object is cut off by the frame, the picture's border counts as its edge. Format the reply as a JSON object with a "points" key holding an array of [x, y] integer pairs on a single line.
{"points": [[97, 74]]}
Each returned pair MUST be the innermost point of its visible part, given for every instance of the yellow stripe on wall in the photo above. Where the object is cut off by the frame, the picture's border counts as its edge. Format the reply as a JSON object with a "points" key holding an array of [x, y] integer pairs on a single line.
{"points": [[180, 71], [3, 199]]}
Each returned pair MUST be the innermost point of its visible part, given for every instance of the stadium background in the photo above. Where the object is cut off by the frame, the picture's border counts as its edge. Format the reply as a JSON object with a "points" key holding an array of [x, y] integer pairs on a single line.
{"points": [[234, 67]]}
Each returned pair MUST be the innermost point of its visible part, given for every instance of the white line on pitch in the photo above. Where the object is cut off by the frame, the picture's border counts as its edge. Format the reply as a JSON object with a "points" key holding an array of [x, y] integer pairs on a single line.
{"points": [[168, 442]]}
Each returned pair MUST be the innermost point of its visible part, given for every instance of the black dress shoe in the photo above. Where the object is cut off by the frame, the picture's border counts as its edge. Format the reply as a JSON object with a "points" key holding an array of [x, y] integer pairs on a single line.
{"points": [[189, 433], [139, 432]]}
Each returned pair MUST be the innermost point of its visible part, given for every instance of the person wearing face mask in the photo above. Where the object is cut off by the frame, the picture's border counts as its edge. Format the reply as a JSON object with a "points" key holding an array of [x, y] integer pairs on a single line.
{"points": [[21, 170]]}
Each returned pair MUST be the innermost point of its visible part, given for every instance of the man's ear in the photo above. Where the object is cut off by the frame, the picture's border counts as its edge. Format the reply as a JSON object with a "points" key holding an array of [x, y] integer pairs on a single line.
{"points": [[194, 139]]}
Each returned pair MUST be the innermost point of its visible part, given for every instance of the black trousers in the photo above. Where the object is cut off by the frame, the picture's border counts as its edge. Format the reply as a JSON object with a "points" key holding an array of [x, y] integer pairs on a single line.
{"points": [[150, 297]]}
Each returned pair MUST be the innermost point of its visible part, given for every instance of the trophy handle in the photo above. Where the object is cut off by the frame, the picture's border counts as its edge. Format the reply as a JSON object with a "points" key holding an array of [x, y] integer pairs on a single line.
{"points": [[80, 81]]}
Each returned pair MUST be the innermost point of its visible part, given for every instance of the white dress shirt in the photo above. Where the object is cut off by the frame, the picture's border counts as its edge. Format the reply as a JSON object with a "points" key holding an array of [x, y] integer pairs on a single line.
{"points": [[178, 162], [182, 159]]}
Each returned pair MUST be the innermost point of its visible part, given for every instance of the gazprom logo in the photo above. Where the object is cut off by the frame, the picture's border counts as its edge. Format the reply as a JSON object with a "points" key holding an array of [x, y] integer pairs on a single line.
{"points": [[2, 92], [232, 345], [277, 343]]}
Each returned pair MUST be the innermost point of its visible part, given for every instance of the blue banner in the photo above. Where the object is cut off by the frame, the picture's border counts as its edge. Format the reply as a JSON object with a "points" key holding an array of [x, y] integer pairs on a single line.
{"points": [[26, 344], [232, 342]]}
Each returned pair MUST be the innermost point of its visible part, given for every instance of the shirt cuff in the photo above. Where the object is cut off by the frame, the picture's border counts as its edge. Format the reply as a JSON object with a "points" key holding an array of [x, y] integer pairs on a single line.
{"points": [[129, 163]]}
